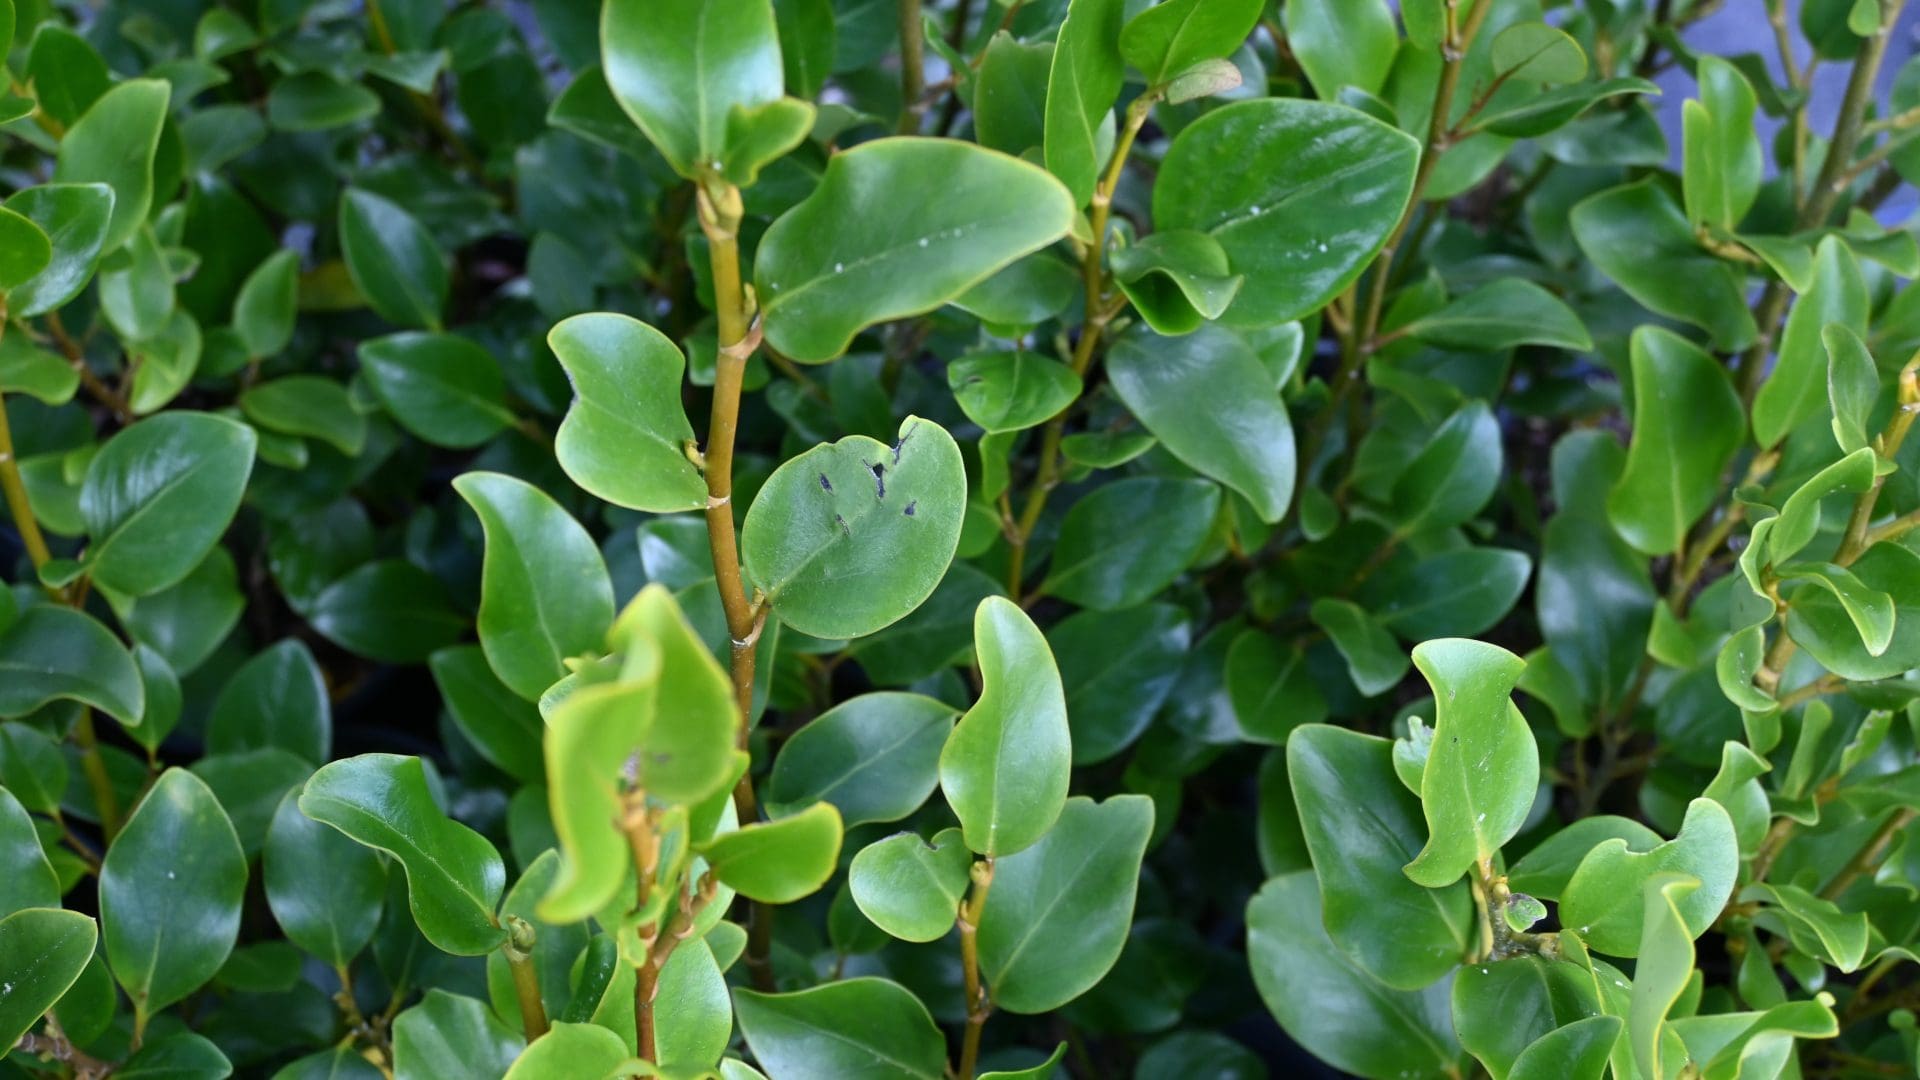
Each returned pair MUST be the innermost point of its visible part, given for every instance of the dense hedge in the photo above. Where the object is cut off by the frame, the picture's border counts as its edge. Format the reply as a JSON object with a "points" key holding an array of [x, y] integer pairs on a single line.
{"points": [[912, 538]]}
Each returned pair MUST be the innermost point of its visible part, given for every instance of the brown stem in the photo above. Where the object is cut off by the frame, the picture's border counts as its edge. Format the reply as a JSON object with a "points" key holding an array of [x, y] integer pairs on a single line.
{"points": [[913, 66], [91, 763], [1869, 855], [979, 1005], [1832, 180]]}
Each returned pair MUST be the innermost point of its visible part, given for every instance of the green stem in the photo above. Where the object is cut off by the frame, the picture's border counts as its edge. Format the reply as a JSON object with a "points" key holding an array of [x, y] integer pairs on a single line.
{"points": [[526, 978], [913, 67], [979, 1005]]}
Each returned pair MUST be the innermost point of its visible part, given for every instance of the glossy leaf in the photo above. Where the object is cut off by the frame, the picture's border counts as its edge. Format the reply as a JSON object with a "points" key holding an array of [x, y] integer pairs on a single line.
{"points": [[1638, 236], [75, 218], [1796, 388], [51, 653], [911, 887], [42, 950], [159, 494], [1082, 87], [1176, 279], [394, 261], [441, 387], [875, 757], [1721, 165], [1125, 541], [1452, 476], [1012, 390], [114, 143], [263, 313], [808, 1033], [1480, 777], [779, 861], [25, 250], [1602, 901], [1687, 424], [1169, 38], [448, 1036], [625, 437], [1005, 767], [324, 889]]}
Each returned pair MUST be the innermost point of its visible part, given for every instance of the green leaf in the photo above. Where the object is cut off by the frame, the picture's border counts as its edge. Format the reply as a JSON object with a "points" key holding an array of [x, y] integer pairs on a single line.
{"points": [[31, 768], [454, 876], [1176, 279], [75, 219], [1602, 901], [839, 262], [1481, 776], [850, 536], [625, 436], [1637, 236], [1375, 661], [1452, 594], [1578, 1051], [1342, 43], [554, 950], [1817, 925], [910, 887], [1082, 87], [171, 888], [1452, 476], [25, 250], [576, 1051], [1546, 869], [1796, 388], [324, 889], [855, 1029], [1870, 610], [1024, 293], [158, 496], [1853, 386], [1540, 114], [1361, 826], [1117, 669], [1818, 621], [1687, 425], [544, 591], [388, 609], [136, 291], [779, 861], [443, 388], [875, 757], [187, 621], [114, 144], [1005, 767], [505, 729], [1208, 399], [1501, 1007], [50, 652], [263, 313], [1010, 94], [308, 406], [1012, 390], [1123, 542], [1665, 949], [1332, 1007], [278, 698], [1167, 39], [452, 1037], [1721, 164], [689, 71], [1502, 315], [1300, 194], [1800, 516], [1531, 51], [32, 882], [316, 101], [1058, 912], [393, 260], [42, 950]]}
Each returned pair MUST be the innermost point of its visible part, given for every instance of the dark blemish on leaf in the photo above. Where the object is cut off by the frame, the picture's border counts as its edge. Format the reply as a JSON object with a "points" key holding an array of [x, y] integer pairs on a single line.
{"points": [[826, 485], [904, 436], [843, 524], [879, 479], [910, 506]]}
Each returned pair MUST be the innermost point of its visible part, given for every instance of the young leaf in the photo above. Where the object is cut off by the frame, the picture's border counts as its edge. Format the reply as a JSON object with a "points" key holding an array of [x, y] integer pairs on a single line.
{"points": [[851, 536], [1795, 389], [1665, 949], [779, 861], [454, 876], [1005, 767], [1721, 164], [1254, 175], [1177, 279], [839, 261], [571, 1050], [170, 893], [544, 592], [910, 887], [1481, 777], [1853, 385], [625, 436], [1207, 398], [1601, 902], [856, 1027], [158, 496], [1687, 424], [1058, 911], [1167, 39]]}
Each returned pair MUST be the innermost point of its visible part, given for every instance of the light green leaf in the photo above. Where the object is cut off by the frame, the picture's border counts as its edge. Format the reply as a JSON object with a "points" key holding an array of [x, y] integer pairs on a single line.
{"points": [[839, 262], [571, 1052], [1666, 965], [1796, 388], [1602, 904], [1342, 43], [1721, 163], [1058, 912], [454, 876], [170, 893], [1871, 610], [682, 68], [910, 887], [544, 591], [1532, 51], [1005, 767], [75, 218], [625, 436], [1300, 194], [851, 536], [1484, 768], [1012, 390], [1820, 623], [114, 144], [1853, 385], [1081, 90], [25, 250], [1169, 38], [1687, 424], [779, 861]]}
